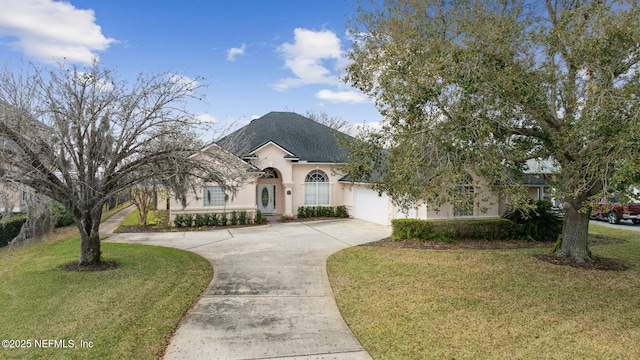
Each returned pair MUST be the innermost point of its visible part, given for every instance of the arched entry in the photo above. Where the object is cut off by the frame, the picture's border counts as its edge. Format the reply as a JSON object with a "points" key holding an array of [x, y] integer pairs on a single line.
{"points": [[268, 191]]}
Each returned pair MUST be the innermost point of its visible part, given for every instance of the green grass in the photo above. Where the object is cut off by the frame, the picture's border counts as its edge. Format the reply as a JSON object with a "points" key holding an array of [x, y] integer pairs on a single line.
{"points": [[489, 304], [127, 313], [132, 219]]}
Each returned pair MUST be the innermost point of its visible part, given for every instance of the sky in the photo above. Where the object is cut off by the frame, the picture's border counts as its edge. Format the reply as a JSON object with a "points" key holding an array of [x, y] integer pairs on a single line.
{"points": [[255, 56]]}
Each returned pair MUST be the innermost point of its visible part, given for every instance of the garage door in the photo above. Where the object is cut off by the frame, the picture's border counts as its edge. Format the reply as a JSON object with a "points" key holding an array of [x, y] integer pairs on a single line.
{"points": [[371, 207]]}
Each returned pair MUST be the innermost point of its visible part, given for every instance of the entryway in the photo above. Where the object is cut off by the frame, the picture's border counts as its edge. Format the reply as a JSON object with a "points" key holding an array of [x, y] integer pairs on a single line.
{"points": [[267, 198]]}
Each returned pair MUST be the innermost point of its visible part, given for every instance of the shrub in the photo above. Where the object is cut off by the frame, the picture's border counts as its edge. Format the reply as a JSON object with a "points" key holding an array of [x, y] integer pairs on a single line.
{"points": [[446, 230], [412, 229], [330, 211], [61, 215], [483, 229], [234, 218], [213, 219], [187, 220], [538, 222], [200, 220], [11, 228], [309, 212], [259, 219], [178, 221], [322, 211], [223, 219], [242, 218]]}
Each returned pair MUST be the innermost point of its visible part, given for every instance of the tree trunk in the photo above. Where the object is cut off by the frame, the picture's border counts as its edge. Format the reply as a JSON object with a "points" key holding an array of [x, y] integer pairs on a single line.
{"points": [[575, 232], [90, 238]]}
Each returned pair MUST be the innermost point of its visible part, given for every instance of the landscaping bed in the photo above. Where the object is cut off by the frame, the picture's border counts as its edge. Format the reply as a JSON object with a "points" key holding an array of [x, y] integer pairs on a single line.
{"points": [[598, 263]]}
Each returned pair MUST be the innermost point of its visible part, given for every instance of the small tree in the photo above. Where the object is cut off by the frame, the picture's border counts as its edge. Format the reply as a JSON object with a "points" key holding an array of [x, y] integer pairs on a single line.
{"points": [[83, 135], [142, 197]]}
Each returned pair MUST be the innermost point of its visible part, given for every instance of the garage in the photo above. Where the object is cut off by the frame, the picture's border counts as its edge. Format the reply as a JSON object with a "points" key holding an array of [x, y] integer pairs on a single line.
{"points": [[369, 206]]}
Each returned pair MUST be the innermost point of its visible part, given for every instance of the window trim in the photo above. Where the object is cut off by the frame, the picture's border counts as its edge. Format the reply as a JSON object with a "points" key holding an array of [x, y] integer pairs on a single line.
{"points": [[466, 208], [314, 181], [213, 200]]}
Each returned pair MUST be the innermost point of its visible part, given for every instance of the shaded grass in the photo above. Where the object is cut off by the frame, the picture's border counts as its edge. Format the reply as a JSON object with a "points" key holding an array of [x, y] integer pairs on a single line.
{"points": [[127, 313], [489, 304]]}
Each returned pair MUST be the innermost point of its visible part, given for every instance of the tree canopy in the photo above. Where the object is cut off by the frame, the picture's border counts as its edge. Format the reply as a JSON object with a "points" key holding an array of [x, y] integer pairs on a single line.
{"points": [[82, 135], [481, 87]]}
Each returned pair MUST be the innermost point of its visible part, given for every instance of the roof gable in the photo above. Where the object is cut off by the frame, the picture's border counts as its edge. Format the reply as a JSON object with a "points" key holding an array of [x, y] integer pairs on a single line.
{"points": [[303, 138]]}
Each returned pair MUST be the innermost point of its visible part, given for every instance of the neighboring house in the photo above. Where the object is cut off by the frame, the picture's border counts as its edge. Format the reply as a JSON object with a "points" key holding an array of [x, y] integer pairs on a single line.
{"points": [[293, 161], [16, 197]]}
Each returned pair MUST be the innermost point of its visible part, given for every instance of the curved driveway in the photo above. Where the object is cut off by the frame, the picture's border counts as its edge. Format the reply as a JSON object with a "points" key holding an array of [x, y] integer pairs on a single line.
{"points": [[270, 296]]}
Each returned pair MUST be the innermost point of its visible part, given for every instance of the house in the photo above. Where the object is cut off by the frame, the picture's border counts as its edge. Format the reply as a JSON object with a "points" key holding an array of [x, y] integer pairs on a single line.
{"points": [[293, 157], [293, 162]]}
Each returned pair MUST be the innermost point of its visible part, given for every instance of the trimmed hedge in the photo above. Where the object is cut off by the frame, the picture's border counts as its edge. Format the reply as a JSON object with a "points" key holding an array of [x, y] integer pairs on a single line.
{"points": [[11, 229], [305, 212], [451, 230], [217, 219]]}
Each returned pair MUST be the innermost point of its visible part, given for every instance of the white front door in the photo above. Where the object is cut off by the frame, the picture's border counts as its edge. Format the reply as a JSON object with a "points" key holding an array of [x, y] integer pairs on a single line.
{"points": [[267, 198]]}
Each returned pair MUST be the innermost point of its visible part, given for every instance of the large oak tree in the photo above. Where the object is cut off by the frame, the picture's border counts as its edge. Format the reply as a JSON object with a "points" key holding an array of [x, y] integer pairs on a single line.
{"points": [[82, 135], [480, 87]]}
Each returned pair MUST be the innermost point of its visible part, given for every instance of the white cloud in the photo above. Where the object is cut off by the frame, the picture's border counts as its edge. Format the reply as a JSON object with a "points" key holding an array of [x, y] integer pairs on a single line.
{"points": [[351, 96], [235, 52], [206, 118], [51, 31], [363, 128], [307, 58], [185, 81]]}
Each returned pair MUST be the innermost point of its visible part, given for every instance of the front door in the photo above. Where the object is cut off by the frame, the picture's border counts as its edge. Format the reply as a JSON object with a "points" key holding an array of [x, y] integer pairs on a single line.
{"points": [[267, 198]]}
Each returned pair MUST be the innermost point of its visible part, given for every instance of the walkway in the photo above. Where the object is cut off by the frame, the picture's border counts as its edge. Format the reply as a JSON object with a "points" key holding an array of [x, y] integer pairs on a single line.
{"points": [[270, 296]]}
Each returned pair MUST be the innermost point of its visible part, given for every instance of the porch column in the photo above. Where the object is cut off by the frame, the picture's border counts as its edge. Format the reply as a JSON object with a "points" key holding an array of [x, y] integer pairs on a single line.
{"points": [[288, 198]]}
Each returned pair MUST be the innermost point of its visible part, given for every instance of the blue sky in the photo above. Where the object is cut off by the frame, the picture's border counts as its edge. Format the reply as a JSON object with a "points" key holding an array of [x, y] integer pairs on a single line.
{"points": [[256, 56]]}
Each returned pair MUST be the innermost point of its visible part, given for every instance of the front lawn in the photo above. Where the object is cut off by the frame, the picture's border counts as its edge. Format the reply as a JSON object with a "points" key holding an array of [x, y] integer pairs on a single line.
{"points": [[126, 313], [490, 304]]}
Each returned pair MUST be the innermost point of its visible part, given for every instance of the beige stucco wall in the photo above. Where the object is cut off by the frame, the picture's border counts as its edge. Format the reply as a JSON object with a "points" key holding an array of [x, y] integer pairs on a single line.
{"points": [[300, 171], [244, 199]]}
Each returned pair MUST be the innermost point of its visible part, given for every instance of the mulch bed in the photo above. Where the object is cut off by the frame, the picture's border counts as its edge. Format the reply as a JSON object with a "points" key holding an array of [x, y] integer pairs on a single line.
{"points": [[74, 266], [597, 263], [150, 229]]}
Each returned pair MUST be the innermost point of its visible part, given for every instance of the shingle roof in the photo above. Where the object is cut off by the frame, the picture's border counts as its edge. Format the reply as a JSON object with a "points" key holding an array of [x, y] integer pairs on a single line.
{"points": [[305, 139]]}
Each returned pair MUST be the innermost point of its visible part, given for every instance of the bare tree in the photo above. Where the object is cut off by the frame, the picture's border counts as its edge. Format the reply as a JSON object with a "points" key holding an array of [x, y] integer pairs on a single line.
{"points": [[142, 197], [334, 122], [82, 135]]}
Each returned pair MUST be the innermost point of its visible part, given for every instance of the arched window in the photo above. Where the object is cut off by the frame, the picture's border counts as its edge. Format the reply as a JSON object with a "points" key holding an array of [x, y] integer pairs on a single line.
{"points": [[316, 188], [464, 205], [269, 173]]}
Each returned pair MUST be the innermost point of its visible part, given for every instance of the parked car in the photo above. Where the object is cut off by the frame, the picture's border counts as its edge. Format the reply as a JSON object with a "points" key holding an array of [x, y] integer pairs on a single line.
{"points": [[614, 211]]}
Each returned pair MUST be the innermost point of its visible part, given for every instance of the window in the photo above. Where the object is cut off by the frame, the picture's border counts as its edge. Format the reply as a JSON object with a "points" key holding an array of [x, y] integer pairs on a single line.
{"points": [[213, 196], [269, 173], [316, 188], [464, 205]]}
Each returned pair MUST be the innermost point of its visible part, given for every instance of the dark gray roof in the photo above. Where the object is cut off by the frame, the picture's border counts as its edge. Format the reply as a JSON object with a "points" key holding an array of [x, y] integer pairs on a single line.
{"points": [[305, 139]]}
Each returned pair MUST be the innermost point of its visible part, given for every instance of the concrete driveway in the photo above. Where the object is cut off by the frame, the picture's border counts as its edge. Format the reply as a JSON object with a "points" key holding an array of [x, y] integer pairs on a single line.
{"points": [[270, 296]]}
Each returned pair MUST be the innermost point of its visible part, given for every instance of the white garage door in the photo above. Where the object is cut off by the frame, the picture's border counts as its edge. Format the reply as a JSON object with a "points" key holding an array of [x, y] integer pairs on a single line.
{"points": [[371, 207]]}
